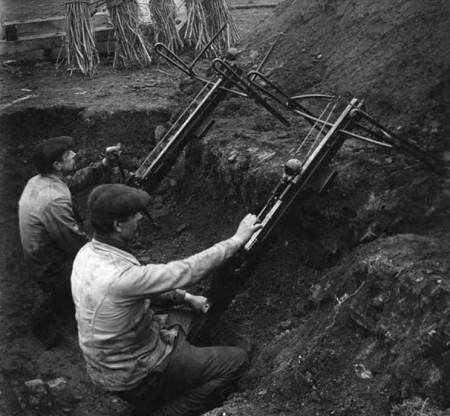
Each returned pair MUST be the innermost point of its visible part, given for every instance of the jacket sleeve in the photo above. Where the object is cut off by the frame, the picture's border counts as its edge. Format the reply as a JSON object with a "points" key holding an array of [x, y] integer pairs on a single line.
{"points": [[142, 281], [87, 176], [168, 299], [60, 223]]}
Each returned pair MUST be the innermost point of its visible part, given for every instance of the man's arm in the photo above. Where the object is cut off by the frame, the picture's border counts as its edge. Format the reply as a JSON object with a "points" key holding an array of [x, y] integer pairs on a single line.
{"points": [[92, 174], [142, 281], [87, 176], [168, 299], [60, 223]]}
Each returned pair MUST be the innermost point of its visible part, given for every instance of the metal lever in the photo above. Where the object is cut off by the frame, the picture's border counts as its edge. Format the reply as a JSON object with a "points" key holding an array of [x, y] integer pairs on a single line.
{"points": [[205, 48], [226, 71], [266, 57], [393, 139], [284, 99], [252, 77], [175, 60], [388, 139]]}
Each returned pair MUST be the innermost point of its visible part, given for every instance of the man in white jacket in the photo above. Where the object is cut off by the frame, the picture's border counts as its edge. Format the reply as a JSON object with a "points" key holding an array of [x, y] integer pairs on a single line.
{"points": [[128, 348]]}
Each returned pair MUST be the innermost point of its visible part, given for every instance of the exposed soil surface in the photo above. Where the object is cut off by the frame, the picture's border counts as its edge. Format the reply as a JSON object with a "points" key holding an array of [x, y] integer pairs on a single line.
{"points": [[347, 313]]}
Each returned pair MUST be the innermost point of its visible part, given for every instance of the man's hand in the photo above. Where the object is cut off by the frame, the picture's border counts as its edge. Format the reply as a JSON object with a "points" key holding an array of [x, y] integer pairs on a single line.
{"points": [[196, 303], [112, 153], [248, 226]]}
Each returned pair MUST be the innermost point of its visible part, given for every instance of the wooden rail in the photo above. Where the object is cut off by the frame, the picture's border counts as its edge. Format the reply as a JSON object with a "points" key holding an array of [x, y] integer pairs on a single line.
{"points": [[31, 35]]}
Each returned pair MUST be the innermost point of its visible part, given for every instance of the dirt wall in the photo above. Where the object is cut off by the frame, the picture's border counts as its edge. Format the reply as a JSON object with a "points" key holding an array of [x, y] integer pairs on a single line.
{"points": [[393, 54]]}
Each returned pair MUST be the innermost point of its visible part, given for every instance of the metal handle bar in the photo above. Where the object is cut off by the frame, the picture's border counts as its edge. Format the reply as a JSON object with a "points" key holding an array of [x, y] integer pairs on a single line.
{"points": [[175, 60], [285, 99], [253, 75], [386, 138], [202, 52], [308, 96], [269, 52], [290, 102], [393, 139], [226, 71]]}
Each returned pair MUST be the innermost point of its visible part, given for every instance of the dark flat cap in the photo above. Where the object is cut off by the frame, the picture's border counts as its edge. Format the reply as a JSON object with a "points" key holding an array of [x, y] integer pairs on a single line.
{"points": [[111, 201], [49, 151]]}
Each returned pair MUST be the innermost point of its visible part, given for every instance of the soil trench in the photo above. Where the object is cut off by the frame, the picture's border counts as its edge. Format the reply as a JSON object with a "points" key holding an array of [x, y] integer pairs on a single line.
{"points": [[197, 205], [285, 315], [348, 311]]}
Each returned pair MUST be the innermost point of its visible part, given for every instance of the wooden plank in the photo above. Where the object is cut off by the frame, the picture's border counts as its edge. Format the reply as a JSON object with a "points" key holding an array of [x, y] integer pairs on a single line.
{"points": [[26, 30], [18, 29], [31, 21], [48, 41], [97, 19], [11, 48]]}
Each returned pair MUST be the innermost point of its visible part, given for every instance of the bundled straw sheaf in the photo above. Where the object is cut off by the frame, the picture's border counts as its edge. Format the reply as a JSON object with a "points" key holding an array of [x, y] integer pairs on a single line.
{"points": [[204, 19], [164, 15], [79, 42], [132, 49], [217, 13]]}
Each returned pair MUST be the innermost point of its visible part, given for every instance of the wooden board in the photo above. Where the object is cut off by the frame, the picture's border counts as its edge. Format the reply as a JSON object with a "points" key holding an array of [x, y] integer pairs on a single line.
{"points": [[48, 42], [17, 29]]}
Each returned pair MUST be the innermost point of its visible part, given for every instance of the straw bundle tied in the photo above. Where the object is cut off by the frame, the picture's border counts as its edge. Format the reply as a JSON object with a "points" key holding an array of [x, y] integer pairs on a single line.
{"points": [[217, 15], [132, 50], [204, 19], [164, 15], [196, 29], [79, 38]]}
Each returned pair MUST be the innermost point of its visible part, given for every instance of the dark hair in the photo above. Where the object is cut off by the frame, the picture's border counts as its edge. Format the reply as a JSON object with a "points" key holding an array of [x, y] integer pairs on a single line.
{"points": [[45, 167], [106, 225], [50, 151]]}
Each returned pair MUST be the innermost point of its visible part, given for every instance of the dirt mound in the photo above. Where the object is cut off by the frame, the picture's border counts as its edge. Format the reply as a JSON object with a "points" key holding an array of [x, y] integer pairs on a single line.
{"points": [[394, 55]]}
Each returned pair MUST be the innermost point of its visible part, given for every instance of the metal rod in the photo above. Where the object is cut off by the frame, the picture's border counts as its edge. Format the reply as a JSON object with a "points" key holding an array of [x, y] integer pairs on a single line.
{"points": [[208, 45], [173, 59], [226, 71], [269, 52]]}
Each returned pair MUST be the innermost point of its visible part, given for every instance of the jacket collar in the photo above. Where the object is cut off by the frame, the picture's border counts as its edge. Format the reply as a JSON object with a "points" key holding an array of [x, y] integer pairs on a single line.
{"points": [[118, 251], [54, 176], [114, 243]]}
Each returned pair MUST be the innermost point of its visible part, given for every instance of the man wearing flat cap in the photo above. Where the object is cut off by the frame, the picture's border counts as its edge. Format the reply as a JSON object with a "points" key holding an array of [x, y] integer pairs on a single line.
{"points": [[129, 348], [50, 230]]}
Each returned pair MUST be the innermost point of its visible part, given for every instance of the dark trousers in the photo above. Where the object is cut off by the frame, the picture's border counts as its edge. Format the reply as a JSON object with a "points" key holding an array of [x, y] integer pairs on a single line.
{"points": [[190, 381], [58, 305]]}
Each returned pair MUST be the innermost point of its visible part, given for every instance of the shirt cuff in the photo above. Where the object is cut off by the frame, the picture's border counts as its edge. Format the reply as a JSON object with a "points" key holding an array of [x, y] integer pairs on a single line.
{"points": [[239, 241], [179, 296]]}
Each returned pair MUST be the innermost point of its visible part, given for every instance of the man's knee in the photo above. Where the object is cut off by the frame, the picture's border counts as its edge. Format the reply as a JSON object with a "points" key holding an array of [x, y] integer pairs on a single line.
{"points": [[237, 362], [227, 382]]}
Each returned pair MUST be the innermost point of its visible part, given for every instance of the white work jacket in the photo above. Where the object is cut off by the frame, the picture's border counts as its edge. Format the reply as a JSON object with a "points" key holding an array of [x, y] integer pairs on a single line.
{"points": [[120, 336]]}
